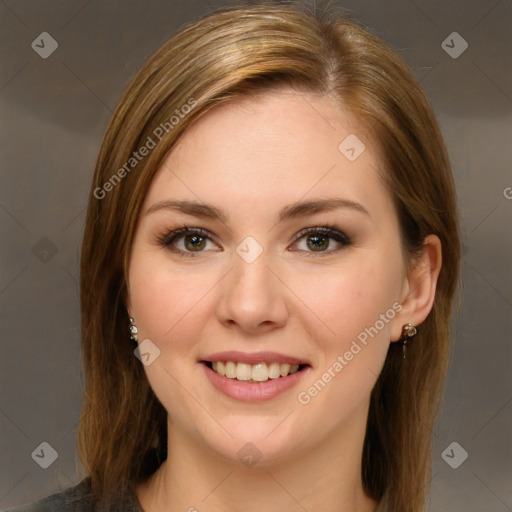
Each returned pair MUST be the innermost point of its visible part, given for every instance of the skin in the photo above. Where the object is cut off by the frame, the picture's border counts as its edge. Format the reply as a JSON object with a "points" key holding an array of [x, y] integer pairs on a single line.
{"points": [[251, 157]]}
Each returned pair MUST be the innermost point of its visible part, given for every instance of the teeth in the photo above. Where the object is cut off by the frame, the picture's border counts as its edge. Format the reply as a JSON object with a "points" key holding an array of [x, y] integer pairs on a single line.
{"points": [[285, 369], [260, 372], [230, 368], [243, 371], [274, 371]]}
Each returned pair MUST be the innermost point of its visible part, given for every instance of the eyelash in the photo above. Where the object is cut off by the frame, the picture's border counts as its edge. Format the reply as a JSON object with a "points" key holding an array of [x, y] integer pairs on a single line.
{"points": [[167, 237]]}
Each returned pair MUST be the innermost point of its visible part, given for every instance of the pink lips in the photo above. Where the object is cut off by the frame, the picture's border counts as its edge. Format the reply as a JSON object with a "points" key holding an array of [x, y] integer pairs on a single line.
{"points": [[253, 391], [255, 358]]}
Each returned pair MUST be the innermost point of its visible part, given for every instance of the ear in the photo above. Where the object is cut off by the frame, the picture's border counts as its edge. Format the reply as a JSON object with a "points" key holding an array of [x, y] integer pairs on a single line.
{"points": [[418, 292]]}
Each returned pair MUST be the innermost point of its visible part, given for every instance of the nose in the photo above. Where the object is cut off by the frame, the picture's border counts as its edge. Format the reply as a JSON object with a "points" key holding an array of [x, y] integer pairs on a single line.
{"points": [[253, 296]]}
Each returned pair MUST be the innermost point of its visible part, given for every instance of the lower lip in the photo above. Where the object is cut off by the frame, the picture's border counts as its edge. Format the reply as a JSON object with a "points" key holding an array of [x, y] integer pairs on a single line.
{"points": [[253, 391]]}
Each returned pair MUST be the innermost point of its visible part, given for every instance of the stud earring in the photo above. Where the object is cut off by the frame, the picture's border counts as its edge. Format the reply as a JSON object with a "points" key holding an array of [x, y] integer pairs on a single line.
{"points": [[133, 333], [408, 332]]}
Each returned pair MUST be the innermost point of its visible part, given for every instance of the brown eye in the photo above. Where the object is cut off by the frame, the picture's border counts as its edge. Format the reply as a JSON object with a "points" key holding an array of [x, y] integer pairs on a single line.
{"points": [[194, 240], [319, 239]]}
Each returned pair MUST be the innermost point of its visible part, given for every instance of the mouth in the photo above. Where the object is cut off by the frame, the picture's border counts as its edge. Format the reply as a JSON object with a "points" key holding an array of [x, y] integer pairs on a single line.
{"points": [[255, 373], [256, 376]]}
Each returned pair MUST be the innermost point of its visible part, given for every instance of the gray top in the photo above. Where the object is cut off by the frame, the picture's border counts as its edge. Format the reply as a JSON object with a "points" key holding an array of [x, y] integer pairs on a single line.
{"points": [[79, 499]]}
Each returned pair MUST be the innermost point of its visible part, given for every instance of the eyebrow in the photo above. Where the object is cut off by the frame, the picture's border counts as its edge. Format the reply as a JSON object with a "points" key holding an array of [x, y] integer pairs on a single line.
{"points": [[291, 211]]}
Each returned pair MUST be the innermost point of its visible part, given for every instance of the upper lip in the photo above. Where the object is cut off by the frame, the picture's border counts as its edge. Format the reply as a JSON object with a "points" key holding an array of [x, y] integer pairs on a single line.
{"points": [[253, 358]]}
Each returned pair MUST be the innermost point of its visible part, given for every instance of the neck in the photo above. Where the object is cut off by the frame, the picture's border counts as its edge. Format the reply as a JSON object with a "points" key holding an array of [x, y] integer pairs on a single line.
{"points": [[325, 477]]}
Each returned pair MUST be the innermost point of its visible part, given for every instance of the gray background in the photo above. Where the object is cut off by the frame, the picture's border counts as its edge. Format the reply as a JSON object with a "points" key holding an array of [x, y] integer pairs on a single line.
{"points": [[54, 112]]}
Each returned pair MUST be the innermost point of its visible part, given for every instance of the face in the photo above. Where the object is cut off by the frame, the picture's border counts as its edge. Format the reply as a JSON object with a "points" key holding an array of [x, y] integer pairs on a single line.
{"points": [[258, 285]]}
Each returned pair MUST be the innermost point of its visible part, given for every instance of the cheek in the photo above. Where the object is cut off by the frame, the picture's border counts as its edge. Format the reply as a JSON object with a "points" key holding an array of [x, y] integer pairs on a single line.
{"points": [[168, 310], [359, 305], [347, 299], [356, 305], [165, 301]]}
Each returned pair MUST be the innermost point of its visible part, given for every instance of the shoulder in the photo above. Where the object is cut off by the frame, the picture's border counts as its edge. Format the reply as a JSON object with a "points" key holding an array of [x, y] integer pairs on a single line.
{"points": [[78, 499], [75, 498]]}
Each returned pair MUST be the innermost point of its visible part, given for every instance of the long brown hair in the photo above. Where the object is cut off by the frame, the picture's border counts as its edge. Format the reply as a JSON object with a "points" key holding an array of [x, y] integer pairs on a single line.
{"points": [[240, 51]]}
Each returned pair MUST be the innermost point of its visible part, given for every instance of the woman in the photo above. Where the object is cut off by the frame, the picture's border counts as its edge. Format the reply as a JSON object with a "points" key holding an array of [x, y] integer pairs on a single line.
{"points": [[273, 225]]}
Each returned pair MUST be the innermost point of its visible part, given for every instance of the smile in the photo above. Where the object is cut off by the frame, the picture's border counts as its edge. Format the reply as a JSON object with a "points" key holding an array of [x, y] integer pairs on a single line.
{"points": [[253, 373], [255, 376]]}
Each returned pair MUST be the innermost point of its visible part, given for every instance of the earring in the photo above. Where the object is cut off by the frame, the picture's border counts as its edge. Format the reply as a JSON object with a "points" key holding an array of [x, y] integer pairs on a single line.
{"points": [[408, 332], [133, 332]]}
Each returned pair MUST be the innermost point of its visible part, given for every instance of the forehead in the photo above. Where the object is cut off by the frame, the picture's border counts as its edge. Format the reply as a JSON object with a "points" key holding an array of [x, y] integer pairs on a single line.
{"points": [[269, 150]]}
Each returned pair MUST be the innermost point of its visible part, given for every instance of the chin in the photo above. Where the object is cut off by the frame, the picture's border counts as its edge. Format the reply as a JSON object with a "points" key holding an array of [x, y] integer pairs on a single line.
{"points": [[251, 441]]}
